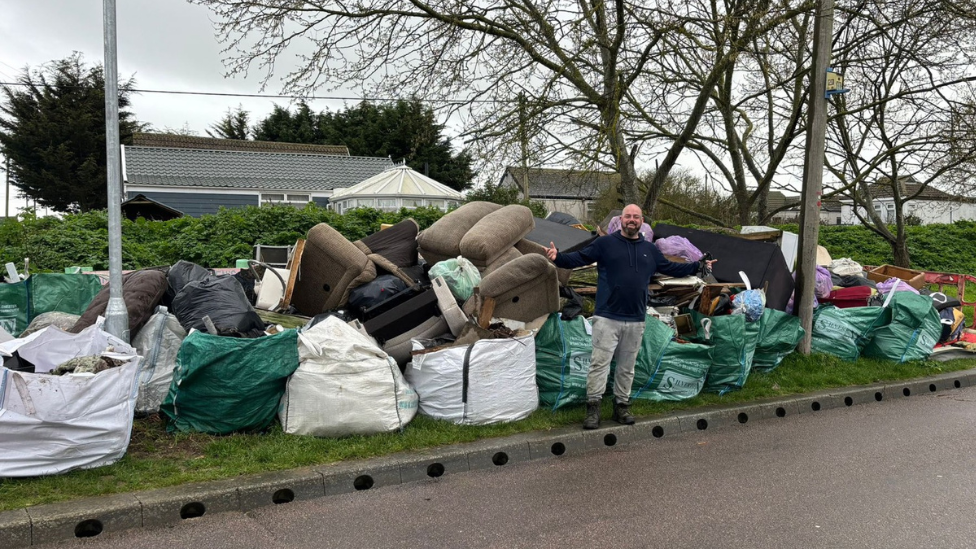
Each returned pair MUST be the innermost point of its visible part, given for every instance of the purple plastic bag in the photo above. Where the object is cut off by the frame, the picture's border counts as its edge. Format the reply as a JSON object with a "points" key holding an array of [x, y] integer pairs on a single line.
{"points": [[678, 246], [895, 285], [645, 229], [816, 303], [824, 284]]}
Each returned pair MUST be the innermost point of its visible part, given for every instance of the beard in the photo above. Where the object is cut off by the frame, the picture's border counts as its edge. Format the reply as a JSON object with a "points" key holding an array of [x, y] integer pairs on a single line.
{"points": [[630, 230]]}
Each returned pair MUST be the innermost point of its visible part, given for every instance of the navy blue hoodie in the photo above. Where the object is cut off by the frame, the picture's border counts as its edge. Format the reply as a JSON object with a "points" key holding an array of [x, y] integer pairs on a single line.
{"points": [[624, 268]]}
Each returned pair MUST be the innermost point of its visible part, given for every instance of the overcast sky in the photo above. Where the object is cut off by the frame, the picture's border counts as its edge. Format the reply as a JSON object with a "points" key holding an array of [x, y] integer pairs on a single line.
{"points": [[166, 44]]}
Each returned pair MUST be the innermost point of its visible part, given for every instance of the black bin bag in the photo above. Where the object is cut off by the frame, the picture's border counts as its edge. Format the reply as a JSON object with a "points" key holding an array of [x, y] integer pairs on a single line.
{"points": [[365, 297], [222, 299], [181, 274]]}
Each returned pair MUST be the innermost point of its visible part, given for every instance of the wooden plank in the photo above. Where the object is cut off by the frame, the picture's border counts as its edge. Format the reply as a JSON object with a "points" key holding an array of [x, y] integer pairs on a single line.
{"points": [[487, 309], [294, 266], [765, 236]]}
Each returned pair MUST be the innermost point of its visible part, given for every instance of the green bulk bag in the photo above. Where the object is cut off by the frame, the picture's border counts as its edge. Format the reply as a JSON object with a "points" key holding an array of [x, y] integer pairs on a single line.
{"points": [[224, 385], [14, 307], [914, 329], [845, 332], [666, 369], [562, 360], [732, 345], [65, 293], [779, 334]]}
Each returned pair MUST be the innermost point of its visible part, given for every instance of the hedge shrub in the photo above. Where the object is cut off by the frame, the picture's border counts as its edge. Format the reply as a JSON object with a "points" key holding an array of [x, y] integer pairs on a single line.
{"points": [[217, 240]]}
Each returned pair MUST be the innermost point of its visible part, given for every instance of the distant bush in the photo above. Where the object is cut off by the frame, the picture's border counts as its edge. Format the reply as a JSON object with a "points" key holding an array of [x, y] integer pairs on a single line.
{"points": [[942, 248], [217, 240], [212, 240]]}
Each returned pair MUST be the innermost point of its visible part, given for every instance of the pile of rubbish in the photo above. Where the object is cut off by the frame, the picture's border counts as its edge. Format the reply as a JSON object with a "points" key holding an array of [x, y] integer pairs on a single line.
{"points": [[466, 321]]}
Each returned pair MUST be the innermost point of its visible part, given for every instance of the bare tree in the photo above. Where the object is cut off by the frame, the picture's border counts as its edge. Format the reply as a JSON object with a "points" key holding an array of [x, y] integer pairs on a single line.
{"points": [[702, 75], [907, 123], [595, 74]]}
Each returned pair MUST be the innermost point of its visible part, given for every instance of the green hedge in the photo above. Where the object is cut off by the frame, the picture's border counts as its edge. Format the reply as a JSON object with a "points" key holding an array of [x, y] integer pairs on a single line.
{"points": [[212, 240], [217, 240], [947, 248]]}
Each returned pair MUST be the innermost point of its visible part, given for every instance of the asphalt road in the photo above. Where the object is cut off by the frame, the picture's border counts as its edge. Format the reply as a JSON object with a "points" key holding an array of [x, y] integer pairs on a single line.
{"points": [[894, 474]]}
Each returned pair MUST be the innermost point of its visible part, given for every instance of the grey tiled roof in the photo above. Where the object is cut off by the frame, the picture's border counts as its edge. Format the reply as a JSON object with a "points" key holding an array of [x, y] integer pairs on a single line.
{"points": [[215, 144], [247, 170], [552, 183]]}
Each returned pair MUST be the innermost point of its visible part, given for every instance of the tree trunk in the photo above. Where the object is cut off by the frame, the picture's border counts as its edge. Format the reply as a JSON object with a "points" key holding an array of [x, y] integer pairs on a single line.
{"points": [[899, 249]]}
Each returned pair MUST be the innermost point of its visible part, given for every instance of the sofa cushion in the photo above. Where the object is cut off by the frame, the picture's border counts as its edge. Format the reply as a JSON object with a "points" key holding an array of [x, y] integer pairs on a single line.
{"points": [[523, 289], [397, 244], [526, 247], [507, 256], [495, 234], [142, 292], [330, 267], [443, 238]]}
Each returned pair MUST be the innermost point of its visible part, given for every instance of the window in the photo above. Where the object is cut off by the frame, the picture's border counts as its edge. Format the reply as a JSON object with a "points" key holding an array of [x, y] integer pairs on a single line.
{"points": [[364, 203], [436, 204], [296, 200], [412, 202], [387, 204]]}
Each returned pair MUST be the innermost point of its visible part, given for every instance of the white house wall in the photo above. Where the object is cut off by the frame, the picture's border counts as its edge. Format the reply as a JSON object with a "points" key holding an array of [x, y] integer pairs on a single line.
{"points": [[929, 211]]}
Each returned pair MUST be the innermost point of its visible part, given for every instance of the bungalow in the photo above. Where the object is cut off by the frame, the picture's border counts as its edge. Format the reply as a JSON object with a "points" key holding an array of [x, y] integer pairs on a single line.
{"points": [[198, 175], [573, 192], [830, 210], [928, 204]]}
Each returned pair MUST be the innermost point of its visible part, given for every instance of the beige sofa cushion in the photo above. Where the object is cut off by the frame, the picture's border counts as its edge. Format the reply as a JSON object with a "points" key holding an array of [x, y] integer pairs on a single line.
{"points": [[496, 233], [330, 267], [529, 247], [523, 289], [443, 238], [509, 255]]}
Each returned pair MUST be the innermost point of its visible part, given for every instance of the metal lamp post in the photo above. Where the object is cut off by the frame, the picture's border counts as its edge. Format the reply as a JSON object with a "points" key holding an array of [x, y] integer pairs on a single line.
{"points": [[116, 315]]}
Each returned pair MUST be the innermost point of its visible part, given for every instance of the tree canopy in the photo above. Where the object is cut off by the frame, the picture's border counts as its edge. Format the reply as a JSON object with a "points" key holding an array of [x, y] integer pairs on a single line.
{"points": [[404, 130], [52, 127], [234, 125]]}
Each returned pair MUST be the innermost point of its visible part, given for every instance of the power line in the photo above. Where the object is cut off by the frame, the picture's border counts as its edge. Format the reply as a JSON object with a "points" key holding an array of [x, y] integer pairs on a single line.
{"points": [[271, 96]]}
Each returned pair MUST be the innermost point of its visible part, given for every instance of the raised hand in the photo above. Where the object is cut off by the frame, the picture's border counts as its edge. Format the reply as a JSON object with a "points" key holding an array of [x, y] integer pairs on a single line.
{"points": [[551, 252]]}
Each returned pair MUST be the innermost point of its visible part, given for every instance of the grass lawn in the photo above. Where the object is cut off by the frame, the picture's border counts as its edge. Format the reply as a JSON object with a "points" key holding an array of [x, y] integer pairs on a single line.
{"points": [[158, 459]]}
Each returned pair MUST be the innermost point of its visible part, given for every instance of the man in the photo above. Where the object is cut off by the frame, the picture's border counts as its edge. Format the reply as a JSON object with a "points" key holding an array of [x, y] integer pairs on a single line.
{"points": [[625, 263]]}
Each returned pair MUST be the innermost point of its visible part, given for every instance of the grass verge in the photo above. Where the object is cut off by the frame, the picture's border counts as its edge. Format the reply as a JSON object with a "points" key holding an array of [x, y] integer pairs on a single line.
{"points": [[157, 459]]}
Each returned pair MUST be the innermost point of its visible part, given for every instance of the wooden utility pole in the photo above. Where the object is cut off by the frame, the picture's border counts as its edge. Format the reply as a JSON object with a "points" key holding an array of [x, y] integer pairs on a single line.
{"points": [[806, 277]]}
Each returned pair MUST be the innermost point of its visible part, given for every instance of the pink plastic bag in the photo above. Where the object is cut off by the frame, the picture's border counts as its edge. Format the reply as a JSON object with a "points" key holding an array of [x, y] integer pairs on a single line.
{"points": [[678, 246]]}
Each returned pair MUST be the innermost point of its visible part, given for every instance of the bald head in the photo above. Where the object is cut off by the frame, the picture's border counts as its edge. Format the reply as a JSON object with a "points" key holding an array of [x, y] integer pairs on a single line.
{"points": [[631, 220]]}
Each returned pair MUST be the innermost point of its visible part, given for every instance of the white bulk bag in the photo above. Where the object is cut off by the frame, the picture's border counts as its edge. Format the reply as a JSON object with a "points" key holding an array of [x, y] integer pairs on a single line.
{"points": [[53, 424], [500, 383], [158, 342], [51, 346], [344, 385]]}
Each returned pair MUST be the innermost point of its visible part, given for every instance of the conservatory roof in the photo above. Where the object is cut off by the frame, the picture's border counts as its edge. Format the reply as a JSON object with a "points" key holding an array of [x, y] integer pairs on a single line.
{"points": [[395, 182]]}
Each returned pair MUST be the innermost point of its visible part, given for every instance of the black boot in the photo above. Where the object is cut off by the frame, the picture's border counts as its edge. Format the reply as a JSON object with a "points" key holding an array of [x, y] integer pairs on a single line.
{"points": [[621, 413], [592, 420]]}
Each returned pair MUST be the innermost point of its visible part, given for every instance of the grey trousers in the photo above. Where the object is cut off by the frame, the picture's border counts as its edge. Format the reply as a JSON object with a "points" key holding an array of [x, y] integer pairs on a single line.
{"points": [[613, 338]]}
